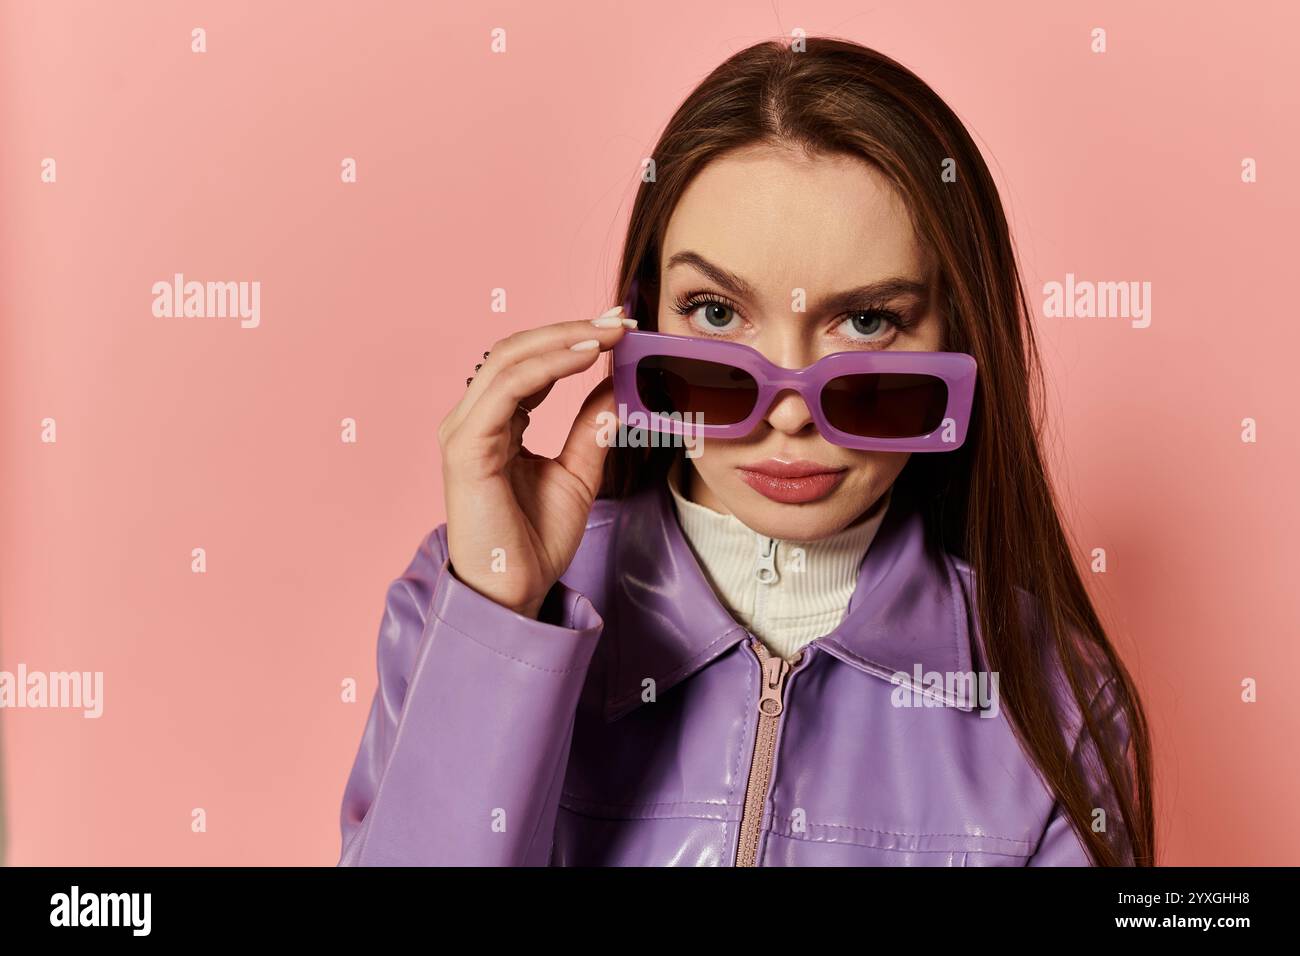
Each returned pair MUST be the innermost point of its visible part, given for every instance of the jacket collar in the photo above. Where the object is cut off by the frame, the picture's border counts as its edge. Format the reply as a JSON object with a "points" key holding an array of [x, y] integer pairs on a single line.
{"points": [[907, 613]]}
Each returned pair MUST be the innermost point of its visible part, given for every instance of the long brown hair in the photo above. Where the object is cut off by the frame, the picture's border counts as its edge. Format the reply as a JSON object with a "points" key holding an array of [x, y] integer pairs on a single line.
{"points": [[989, 502]]}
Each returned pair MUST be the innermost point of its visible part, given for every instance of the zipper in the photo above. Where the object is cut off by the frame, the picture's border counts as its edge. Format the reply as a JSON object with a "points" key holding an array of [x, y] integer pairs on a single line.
{"points": [[771, 704], [765, 572]]}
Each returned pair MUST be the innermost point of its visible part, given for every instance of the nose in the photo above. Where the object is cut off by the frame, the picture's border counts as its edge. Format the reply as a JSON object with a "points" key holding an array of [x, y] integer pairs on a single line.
{"points": [[789, 413], [788, 348]]}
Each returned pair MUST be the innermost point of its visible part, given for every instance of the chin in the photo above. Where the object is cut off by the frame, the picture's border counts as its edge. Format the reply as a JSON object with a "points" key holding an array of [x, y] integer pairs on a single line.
{"points": [[793, 522], [801, 522]]}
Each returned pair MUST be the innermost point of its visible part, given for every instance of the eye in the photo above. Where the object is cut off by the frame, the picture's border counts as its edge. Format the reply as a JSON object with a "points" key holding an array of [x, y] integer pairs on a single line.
{"points": [[708, 313], [870, 325]]}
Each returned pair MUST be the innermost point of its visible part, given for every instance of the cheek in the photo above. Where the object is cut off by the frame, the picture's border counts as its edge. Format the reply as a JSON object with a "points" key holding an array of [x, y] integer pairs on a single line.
{"points": [[874, 471], [867, 462], [714, 460], [731, 450]]}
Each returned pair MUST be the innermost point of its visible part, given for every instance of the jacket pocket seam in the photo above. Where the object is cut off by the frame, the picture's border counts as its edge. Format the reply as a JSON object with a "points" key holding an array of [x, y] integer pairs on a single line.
{"points": [[965, 836], [965, 850], [595, 811], [647, 803]]}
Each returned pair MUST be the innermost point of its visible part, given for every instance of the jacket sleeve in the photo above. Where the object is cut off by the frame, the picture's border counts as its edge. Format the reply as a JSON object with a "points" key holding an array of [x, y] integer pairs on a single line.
{"points": [[1060, 845], [465, 747]]}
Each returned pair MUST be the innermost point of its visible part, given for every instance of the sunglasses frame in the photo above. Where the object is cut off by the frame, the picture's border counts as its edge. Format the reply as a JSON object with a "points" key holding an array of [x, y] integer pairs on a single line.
{"points": [[956, 369]]}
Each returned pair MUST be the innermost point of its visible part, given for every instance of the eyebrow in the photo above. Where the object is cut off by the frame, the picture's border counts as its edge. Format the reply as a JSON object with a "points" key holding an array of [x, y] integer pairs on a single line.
{"points": [[882, 290]]}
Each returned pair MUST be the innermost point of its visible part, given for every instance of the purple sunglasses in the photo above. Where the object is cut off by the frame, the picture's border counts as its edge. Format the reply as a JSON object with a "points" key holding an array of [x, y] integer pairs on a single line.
{"points": [[881, 400]]}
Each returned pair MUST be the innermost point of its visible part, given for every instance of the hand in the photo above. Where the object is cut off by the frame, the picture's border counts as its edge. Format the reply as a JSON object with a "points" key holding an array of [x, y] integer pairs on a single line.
{"points": [[501, 496]]}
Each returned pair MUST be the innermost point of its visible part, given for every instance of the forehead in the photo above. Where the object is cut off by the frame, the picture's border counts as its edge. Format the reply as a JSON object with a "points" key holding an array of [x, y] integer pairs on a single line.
{"points": [[784, 220]]}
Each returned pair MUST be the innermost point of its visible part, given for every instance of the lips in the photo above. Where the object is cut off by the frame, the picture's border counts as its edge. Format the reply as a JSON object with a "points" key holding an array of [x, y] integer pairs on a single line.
{"points": [[791, 482]]}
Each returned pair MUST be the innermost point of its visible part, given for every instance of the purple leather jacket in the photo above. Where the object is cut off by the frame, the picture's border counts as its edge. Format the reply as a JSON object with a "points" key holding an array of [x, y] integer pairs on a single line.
{"points": [[644, 726]]}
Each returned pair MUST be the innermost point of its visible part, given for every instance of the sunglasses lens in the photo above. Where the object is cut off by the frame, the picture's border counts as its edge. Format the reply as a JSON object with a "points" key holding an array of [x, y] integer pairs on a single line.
{"points": [[885, 404], [719, 394]]}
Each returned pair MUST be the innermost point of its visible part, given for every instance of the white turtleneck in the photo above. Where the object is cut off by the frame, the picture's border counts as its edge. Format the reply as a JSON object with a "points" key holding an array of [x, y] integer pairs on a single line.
{"points": [[784, 591]]}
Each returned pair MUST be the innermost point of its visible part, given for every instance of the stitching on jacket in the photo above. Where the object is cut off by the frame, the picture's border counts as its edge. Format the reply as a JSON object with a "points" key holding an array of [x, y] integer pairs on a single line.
{"points": [[594, 814], [509, 657], [649, 803], [895, 849], [966, 836]]}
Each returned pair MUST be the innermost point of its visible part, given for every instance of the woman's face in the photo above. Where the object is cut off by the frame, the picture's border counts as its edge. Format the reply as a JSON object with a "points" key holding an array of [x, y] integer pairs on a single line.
{"points": [[752, 229]]}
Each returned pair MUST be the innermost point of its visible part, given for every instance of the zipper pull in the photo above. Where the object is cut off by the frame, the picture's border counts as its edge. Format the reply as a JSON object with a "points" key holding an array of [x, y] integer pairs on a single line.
{"points": [[766, 570], [774, 670]]}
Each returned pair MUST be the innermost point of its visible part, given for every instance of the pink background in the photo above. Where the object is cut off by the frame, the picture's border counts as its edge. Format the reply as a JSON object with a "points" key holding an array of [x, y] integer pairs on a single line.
{"points": [[477, 171]]}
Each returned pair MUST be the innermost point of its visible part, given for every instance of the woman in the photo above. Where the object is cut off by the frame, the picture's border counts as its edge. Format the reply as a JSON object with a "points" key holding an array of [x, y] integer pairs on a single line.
{"points": [[764, 646]]}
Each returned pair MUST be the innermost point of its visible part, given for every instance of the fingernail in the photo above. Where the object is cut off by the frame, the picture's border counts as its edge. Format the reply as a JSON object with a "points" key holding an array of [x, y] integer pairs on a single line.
{"points": [[608, 322], [629, 323], [614, 311], [586, 346]]}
